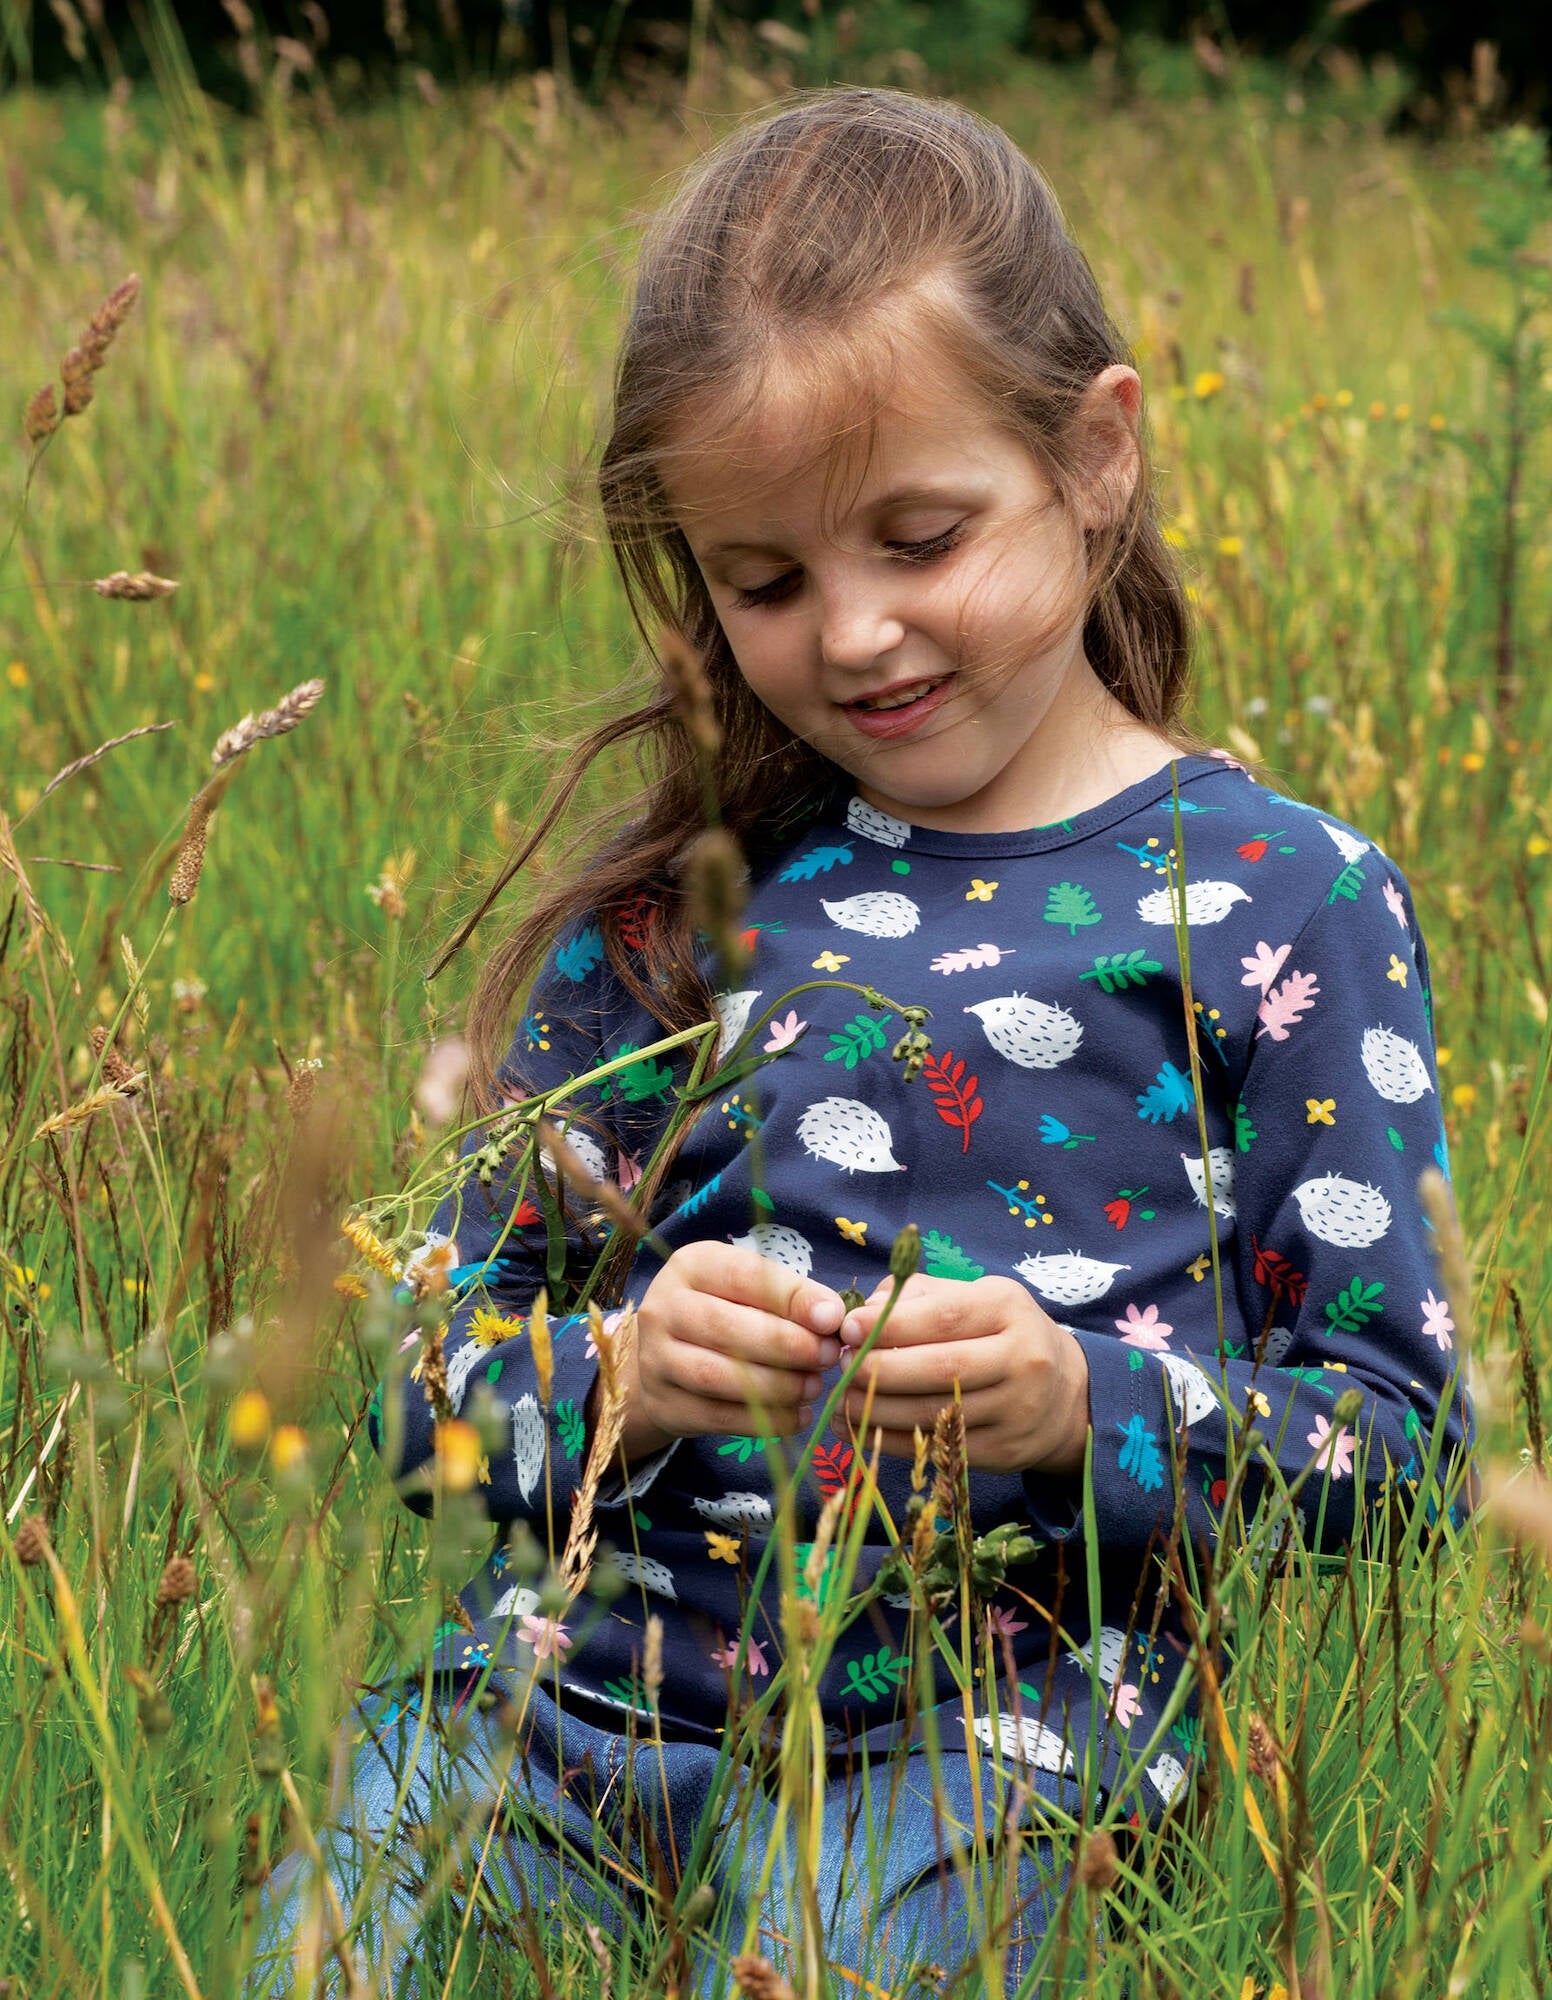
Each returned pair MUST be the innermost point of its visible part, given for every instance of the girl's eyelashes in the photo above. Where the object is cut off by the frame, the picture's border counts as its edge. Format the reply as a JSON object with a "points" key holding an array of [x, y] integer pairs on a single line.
{"points": [[781, 587]]}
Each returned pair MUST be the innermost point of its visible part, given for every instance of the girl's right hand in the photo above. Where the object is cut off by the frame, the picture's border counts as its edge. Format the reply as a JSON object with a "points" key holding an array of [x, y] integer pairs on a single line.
{"points": [[727, 1341]]}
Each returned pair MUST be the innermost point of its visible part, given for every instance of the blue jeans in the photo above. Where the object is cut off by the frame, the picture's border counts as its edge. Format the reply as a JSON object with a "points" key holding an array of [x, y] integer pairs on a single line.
{"points": [[585, 1833]]}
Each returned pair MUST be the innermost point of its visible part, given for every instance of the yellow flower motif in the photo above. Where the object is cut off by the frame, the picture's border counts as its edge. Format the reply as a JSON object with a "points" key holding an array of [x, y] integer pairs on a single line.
{"points": [[854, 1232], [830, 961], [1207, 385], [979, 891], [1199, 1267], [1257, 1402], [721, 1548], [1320, 1110], [488, 1327], [1398, 970]]}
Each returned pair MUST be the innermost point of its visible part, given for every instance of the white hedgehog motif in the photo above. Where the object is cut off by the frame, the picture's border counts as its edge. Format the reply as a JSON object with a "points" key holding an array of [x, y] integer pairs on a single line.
{"points": [[780, 1244], [1028, 1032], [1190, 1390], [735, 1510], [875, 825], [881, 913], [527, 1443], [1394, 1066], [1221, 1160], [1278, 1342], [1206, 903], [1168, 1775], [1024, 1738], [849, 1134], [517, 1602], [586, 1148], [646, 1570], [733, 1011], [1347, 844], [1350, 1214], [1068, 1280], [1112, 1650], [460, 1368]]}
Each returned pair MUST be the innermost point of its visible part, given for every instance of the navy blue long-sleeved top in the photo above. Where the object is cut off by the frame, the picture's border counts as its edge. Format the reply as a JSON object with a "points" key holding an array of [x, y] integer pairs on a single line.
{"points": [[1053, 1136]]}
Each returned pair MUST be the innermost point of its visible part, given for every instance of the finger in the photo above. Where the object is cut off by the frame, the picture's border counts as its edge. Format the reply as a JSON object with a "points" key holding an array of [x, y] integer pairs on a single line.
{"points": [[746, 1333], [736, 1272], [931, 1370], [710, 1376], [907, 1413], [930, 1309], [694, 1416]]}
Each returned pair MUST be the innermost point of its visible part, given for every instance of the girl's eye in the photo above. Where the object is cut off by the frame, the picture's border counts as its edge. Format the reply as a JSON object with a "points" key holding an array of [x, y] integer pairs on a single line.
{"points": [[783, 586]]}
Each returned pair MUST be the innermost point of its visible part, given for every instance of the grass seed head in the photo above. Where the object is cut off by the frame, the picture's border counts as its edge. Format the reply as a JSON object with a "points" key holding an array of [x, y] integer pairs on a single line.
{"points": [[31, 1540], [277, 721], [1100, 1864], [141, 587], [177, 1584], [42, 417], [757, 1979]]}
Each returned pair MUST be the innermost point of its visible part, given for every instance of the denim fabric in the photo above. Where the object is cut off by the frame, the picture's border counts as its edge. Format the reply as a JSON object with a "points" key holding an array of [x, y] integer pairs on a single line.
{"points": [[631, 1808]]}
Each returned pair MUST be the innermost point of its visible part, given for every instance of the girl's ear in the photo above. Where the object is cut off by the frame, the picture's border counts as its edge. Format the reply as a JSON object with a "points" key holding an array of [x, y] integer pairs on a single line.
{"points": [[1108, 456]]}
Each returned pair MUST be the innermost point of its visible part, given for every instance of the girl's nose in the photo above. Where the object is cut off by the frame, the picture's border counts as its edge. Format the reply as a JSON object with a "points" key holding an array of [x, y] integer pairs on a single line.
{"points": [[856, 631]]}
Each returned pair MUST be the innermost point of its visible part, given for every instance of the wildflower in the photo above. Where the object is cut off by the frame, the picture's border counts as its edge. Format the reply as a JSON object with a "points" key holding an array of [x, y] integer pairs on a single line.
{"points": [[1318, 1110], [1401, 412], [1464, 1097], [1377, 412], [349, 1285], [1344, 399], [288, 1449], [1436, 422], [369, 1246], [1209, 383], [1230, 545], [1320, 400], [488, 1327], [1002, 1621], [548, 1637], [1538, 845], [721, 1548], [458, 1455], [1176, 536], [249, 1423], [1258, 1402], [1472, 760], [16, 673]]}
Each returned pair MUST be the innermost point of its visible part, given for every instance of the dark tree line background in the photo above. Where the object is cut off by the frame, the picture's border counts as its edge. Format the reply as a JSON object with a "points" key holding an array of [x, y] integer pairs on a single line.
{"points": [[1447, 57]]}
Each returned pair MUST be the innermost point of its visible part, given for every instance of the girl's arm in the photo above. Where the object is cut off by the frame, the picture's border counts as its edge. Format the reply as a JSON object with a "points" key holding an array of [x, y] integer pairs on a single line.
{"points": [[573, 1026], [1338, 1335]]}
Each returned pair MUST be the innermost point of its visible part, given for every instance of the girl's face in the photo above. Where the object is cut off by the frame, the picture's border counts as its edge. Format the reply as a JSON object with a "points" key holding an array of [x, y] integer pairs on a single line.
{"points": [[941, 573]]}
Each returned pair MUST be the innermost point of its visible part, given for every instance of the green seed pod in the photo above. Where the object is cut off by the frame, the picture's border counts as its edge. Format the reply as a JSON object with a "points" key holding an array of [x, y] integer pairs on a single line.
{"points": [[905, 1255], [1348, 1404]]}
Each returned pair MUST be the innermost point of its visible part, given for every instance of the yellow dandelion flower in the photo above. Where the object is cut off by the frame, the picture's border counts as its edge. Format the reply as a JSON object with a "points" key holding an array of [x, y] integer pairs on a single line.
{"points": [[369, 1246], [488, 1327], [1444, 1054], [1208, 384], [248, 1426], [1464, 1097], [350, 1285], [1320, 400], [204, 683], [721, 1548], [458, 1455], [16, 673], [1320, 1110], [288, 1448], [1176, 536]]}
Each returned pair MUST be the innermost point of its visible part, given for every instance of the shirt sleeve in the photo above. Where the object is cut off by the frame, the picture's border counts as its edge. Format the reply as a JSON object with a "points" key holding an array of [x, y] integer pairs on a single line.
{"points": [[1331, 1286], [575, 1023]]}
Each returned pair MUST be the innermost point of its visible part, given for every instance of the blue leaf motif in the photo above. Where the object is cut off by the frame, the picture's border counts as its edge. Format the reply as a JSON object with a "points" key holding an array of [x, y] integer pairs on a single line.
{"points": [[817, 861], [693, 1204], [576, 958], [1140, 1455], [1167, 1097]]}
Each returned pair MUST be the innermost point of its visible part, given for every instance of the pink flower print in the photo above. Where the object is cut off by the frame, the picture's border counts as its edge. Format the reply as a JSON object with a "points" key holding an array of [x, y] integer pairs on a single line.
{"points": [[1334, 1448], [727, 1656], [1264, 967], [548, 1637], [1397, 906], [784, 1033], [1144, 1329], [629, 1170], [1002, 1620], [1437, 1321], [1124, 1704], [611, 1321]]}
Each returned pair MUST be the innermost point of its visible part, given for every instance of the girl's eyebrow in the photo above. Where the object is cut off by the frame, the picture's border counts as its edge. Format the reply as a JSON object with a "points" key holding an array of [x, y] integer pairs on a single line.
{"points": [[898, 496]]}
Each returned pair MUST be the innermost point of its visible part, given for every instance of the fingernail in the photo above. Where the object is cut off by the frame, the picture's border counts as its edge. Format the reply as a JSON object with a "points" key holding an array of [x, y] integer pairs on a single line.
{"points": [[806, 1414], [829, 1353], [811, 1385], [825, 1315], [851, 1330]]}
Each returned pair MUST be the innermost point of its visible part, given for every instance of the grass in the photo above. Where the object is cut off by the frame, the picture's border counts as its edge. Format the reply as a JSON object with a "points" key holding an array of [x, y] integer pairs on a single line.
{"points": [[349, 415]]}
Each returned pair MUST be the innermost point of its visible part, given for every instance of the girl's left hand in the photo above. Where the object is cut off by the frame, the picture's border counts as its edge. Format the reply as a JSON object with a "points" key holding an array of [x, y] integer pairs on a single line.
{"points": [[1023, 1379]]}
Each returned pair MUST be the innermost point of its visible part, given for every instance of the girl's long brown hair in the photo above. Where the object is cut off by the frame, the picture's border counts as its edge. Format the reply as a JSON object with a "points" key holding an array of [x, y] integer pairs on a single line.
{"points": [[796, 236]]}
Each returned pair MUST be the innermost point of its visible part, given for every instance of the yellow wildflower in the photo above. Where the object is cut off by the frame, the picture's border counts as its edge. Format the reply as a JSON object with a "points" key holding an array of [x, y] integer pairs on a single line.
{"points": [[16, 673], [458, 1455], [249, 1424], [1343, 399], [350, 1285], [1376, 412], [1208, 384], [368, 1245], [1401, 412], [1436, 422], [488, 1327], [288, 1448], [1472, 760], [1257, 1402], [1230, 545], [1464, 1097], [1538, 845]]}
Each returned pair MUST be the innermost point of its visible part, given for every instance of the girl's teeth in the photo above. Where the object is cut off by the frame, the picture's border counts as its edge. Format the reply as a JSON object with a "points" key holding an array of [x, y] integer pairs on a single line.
{"points": [[900, 700]]}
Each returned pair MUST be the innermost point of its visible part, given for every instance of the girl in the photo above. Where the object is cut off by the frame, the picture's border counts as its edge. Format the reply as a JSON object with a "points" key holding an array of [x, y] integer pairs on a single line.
{"points": [[877, 453]]}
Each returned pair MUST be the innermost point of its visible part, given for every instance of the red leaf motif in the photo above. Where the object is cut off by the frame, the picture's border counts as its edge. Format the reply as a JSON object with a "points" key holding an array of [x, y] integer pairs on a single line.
{"points": [[953, 1094], [1281, 1278], [1281, 1008], [1118, 1211], [1252, 850], [830, 1463], [637, 918]]}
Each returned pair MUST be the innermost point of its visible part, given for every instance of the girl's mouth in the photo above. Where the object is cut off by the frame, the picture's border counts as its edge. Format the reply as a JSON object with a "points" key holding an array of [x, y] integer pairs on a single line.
{"points": [[900, 721]]}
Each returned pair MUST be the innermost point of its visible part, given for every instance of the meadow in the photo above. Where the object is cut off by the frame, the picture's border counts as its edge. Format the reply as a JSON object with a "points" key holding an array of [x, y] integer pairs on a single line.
{"points": [[348, 414]]}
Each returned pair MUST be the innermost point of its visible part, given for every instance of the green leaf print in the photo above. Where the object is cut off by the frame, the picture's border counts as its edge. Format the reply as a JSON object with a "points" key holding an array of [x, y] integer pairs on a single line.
{"points": [[1349, 884], [1395, 1138], [742, 1448], [637, 1082], [876, 1673], [572, 1426], [1352, 1308], [801, 1554], [1071, 904], [943, 1258], [1245, 1134], [861, 1037], [631, 1692], [1122, 969]]}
